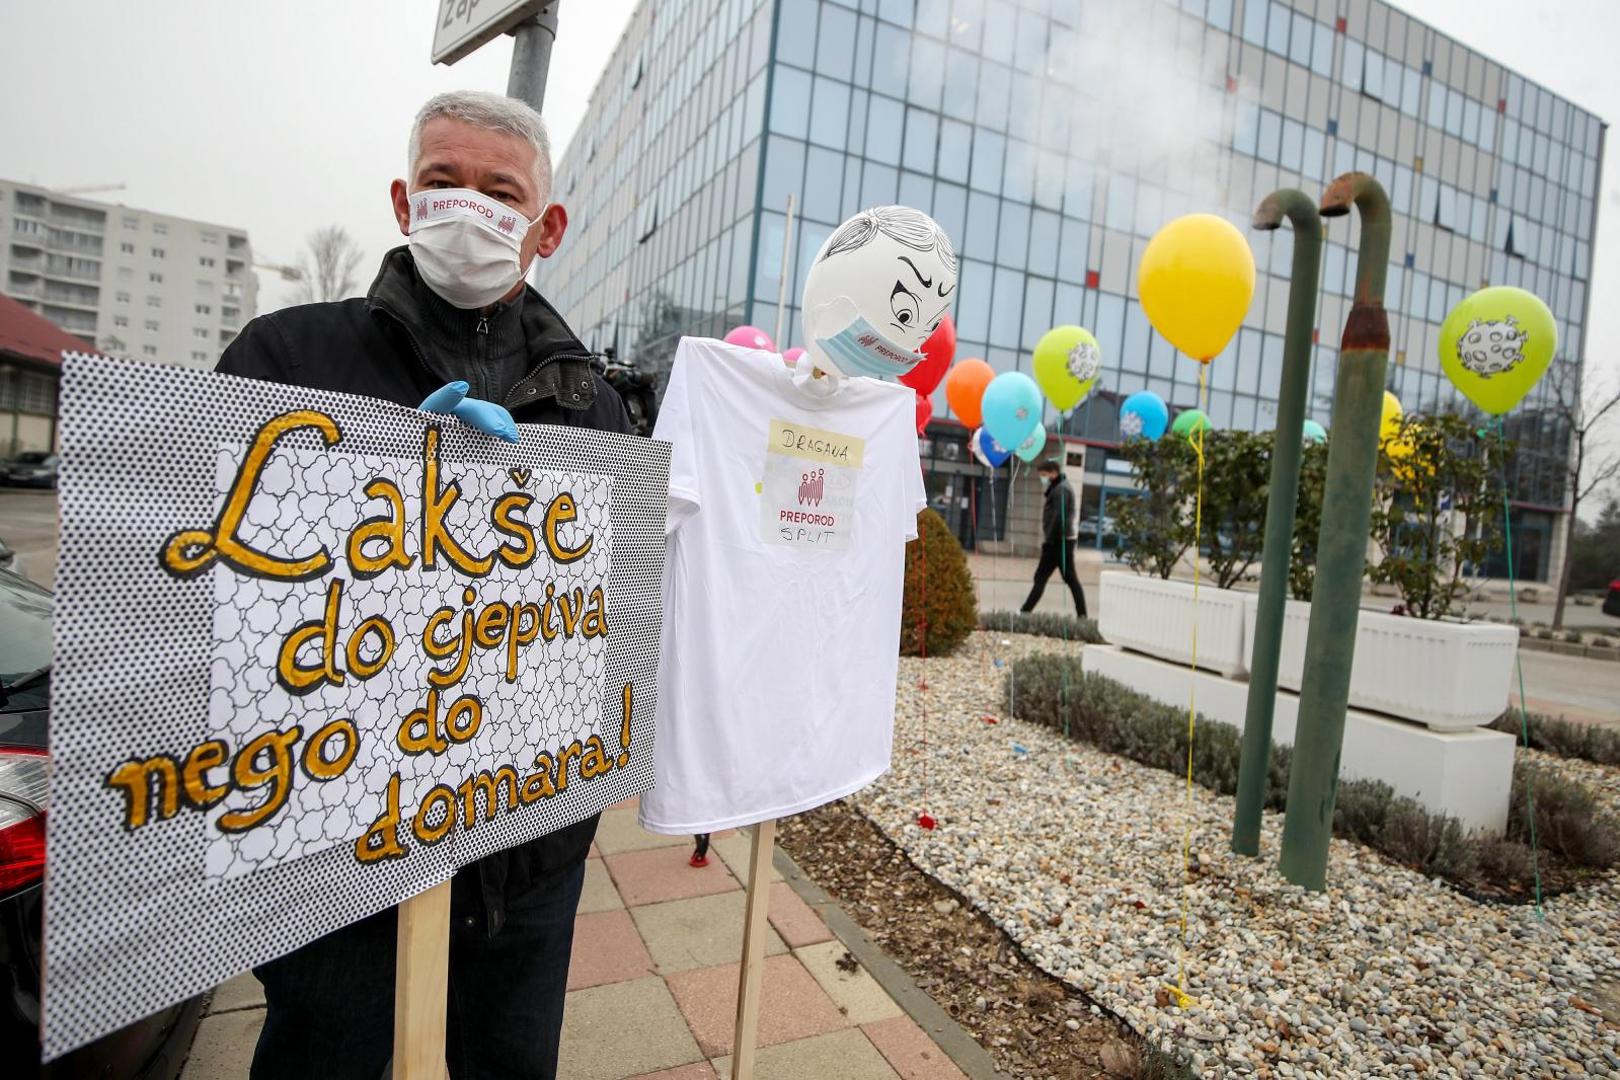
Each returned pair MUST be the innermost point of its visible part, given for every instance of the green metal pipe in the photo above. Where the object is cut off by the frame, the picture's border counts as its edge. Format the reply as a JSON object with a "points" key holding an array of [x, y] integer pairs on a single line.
{"points": [[1279, 539], [1358, 397]]}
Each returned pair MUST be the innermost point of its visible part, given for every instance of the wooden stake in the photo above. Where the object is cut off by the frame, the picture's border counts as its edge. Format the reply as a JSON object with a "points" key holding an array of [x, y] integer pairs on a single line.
{"points": [[421, 980], [753, 954]]}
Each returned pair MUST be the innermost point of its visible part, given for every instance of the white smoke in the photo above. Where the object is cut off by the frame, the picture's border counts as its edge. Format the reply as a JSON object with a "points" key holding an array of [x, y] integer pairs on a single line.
{"points": [[1151, 101]]}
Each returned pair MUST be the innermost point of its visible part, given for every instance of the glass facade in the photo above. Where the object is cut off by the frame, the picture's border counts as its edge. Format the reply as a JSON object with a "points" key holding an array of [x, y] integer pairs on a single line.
{"points": [[991, 116]]}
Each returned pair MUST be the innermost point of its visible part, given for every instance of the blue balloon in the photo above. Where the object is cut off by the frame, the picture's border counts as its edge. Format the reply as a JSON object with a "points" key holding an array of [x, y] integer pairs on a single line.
{"points": [[1145, 415], [1314, 432], [987, 450], [1011, 407]]}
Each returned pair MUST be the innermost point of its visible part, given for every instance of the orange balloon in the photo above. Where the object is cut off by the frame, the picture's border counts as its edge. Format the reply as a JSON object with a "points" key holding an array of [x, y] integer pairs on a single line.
{"points": [[964, 389]]}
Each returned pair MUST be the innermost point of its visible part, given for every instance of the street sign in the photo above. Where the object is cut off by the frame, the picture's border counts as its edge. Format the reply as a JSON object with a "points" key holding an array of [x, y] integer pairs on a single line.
{"points": [[461, 26]]}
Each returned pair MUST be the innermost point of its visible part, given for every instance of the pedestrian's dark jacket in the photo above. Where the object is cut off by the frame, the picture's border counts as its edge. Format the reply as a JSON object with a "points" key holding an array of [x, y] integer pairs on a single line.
{"points": [[1057, 513], [400, 343]]}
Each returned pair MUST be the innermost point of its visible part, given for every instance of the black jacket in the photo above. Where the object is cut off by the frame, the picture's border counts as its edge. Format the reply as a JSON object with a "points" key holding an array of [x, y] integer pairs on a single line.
{"points": [[1057, 513], [375, 346]]}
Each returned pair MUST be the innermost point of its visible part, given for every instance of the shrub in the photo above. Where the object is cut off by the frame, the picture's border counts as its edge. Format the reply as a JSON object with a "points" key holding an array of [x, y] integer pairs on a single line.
{"points": [[1053, 690], [1156, 527], [1568, 821], [1566, 738], [1573, 637], [1237, 485], [1042, 624], [1432, 843], [1308, 520], [1437, 509], [939, 610]]}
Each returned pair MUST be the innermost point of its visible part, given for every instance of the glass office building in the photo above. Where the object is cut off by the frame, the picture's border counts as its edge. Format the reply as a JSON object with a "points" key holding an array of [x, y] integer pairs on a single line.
{"points": [[1051, 138]]}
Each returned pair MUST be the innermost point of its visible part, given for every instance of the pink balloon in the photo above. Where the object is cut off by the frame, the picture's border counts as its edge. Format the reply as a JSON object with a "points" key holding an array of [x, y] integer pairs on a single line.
{"points": [[791, 357], [751, 337]]}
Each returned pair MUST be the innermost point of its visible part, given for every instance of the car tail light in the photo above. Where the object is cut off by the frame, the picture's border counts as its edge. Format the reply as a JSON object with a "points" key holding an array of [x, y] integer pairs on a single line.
{"points": [[24, 780]]}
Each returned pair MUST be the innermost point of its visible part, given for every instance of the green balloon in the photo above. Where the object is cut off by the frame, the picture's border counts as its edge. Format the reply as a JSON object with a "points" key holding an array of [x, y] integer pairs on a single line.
{"points": [[1314, 432], [1189, 421]]}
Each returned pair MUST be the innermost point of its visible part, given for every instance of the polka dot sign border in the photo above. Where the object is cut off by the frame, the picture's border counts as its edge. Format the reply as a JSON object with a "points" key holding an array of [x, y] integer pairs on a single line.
{"points": [[132, 922]]}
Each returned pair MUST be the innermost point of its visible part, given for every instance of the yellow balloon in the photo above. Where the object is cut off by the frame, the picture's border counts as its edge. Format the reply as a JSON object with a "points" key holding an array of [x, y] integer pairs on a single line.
{"points": [[1196, 280], [1389, 424]]}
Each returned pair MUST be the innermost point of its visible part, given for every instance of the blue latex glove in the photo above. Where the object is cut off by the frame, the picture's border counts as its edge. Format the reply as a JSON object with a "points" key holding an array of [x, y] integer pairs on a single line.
{"points": [[486, 416]]}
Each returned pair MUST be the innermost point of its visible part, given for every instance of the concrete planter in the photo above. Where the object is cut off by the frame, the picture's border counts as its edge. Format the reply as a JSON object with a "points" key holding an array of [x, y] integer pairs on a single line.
{"points": [[1153, 616], [1450, 676], [1467, 774]]}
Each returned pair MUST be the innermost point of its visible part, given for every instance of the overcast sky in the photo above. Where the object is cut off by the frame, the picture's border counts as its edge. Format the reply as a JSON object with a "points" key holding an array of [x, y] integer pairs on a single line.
{"points": [[282, 117]]}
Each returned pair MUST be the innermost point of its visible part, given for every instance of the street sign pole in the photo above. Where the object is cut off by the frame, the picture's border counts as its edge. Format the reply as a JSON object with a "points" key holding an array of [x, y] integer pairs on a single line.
{"points": [[531, 56]]}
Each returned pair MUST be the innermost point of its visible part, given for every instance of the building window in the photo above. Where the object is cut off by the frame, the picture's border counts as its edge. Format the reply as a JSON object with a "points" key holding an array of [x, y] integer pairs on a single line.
{"points": [[123, 297], [152, 325], [154, 277], [28, 228], [230, 314], [127, 248], [160, 229], [159, 253], [126, 273], [205, 260], [200, 357], [120, 320], [203, 309], [201, 332], [154, 301], [210, 238], [149, 350], [131, 222]]}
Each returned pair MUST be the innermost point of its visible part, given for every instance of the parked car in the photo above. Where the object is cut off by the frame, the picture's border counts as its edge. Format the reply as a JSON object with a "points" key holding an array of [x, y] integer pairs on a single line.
{"points": [[150, 1049], [1611, 603], [31, 468], [9, 559]]}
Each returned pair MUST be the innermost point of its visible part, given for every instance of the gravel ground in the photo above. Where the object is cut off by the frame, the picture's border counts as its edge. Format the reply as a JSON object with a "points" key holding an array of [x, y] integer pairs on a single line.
{"points": [[1076, 854]]}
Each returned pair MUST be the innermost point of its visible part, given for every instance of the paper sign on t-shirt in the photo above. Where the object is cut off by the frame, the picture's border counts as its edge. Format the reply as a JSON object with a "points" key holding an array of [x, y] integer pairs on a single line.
{"points": [[790, 504], [811, 480]]}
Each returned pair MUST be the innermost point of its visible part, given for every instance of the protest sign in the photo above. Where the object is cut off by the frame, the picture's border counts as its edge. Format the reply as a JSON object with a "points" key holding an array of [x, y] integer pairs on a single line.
{"points": [[314, 652]]}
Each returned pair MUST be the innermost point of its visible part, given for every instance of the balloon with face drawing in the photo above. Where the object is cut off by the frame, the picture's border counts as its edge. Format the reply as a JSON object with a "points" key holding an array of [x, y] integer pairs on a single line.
{"points": [[877, 289]]}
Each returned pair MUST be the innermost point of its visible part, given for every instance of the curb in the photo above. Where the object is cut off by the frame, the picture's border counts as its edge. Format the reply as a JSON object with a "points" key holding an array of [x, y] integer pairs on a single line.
{"points": [[958, 1045], [1568, 648]]}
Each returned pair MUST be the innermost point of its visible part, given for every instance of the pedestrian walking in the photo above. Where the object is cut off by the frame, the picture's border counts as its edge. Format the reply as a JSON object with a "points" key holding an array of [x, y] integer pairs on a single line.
{"points": [[1057, 537]]}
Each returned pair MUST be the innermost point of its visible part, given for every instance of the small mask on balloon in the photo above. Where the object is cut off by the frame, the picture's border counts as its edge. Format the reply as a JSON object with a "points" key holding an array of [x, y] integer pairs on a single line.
{"points": [[876, 290]]}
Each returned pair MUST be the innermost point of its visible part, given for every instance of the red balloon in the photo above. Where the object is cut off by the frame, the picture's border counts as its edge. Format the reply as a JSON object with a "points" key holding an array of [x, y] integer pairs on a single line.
{"points": [[925, 413], [938, 352]]}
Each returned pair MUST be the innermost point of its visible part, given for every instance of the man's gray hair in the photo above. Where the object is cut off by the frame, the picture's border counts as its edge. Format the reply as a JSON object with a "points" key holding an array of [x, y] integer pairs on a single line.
{"points": [[493, 112]]}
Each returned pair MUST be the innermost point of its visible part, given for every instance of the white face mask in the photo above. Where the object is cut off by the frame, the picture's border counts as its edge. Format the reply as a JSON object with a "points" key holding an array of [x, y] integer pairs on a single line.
{"points": [[467, 246]]}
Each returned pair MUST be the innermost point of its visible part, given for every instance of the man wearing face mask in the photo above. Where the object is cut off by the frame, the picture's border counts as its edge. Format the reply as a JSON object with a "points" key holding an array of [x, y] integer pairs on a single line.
{"points": [[1057, 538], [449, 326]]}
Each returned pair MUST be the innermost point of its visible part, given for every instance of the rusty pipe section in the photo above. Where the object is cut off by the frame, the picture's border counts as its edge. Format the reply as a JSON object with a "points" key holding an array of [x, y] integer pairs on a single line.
{"points": [[1330, 641], [1255, 764], [1368, 325]]}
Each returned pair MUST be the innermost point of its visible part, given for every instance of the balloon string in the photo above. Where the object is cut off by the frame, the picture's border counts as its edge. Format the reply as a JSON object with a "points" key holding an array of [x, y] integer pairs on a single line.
{"points": [[1063, 569], [1192, 688], [1518, 662], [922, 649]]}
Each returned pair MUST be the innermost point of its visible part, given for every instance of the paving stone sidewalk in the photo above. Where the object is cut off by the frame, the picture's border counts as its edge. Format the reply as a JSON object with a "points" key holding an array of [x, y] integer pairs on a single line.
{"points": [[653, 980]]}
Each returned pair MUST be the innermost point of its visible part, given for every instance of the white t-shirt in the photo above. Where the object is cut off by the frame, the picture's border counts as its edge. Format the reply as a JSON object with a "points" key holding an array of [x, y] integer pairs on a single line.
{"points": [[791, 500]]}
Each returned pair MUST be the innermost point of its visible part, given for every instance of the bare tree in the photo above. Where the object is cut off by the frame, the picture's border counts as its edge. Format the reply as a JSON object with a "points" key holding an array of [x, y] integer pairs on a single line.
{"points": [[1582, 410], [326, 269]]}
